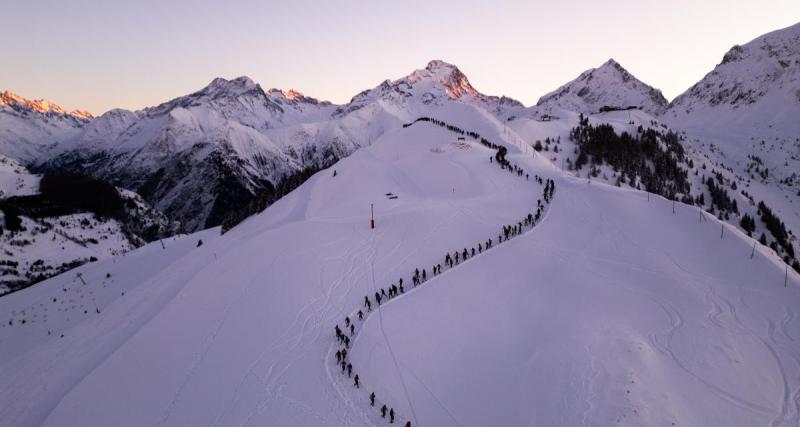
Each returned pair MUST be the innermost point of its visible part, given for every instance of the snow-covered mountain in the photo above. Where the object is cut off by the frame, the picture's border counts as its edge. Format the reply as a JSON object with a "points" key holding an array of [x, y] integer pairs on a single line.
{"points": [[196, 156], [439, 82], [605, 88], [201, 156], [754, 89], [613, 309], [28, 128], [742, 123]]}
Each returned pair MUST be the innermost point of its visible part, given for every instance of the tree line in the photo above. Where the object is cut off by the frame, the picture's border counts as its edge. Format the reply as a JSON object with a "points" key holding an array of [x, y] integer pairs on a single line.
{"points": [[649, 158]]}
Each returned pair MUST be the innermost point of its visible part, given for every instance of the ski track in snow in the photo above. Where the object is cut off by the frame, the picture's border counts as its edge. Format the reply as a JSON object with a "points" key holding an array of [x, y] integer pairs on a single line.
{"points": [[719, 306]]}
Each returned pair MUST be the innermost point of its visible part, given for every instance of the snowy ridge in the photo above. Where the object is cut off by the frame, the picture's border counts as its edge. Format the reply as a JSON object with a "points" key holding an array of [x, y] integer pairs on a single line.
{"points": [[30, 128], [341, 348], [754, 88], [608, 87], [437, 83], [10, 99]]}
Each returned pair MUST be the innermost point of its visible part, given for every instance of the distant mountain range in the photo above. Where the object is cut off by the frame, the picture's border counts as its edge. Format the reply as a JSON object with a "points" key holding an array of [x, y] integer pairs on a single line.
{"points": [[200, 156]]}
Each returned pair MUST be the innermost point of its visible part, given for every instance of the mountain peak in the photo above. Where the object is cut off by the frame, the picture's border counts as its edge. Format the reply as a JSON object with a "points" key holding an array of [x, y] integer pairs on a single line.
{"points": [[438, 64], [754, 86], [293, 96], [237, 85], [612, 64], [447, 75], [607, 87], [43, 106]]}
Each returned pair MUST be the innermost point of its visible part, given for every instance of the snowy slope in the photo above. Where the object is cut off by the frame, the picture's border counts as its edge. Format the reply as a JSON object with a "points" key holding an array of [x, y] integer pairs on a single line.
{"points": [[741, 119], [49, 246], [44, 246], [15, 179], [608, 86], [612, 308]]}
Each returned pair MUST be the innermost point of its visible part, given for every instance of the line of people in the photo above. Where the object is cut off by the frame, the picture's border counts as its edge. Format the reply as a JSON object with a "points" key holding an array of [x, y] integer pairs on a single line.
{"points": [[421, 276]]}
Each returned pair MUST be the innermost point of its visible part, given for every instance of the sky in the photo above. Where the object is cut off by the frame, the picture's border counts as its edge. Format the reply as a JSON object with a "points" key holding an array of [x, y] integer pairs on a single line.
{"points": [[98, 55]]}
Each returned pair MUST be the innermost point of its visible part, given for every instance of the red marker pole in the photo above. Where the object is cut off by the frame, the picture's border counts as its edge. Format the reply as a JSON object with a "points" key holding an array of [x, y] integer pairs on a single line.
{"points": [[372, 210]]}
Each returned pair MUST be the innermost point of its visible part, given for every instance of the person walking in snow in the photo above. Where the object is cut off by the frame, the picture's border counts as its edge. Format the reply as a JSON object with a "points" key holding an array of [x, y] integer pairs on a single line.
{"points": [[383, 411], [366, 301], [347, 321], [391, 416], [349, 369], [344, 353], [344, 366], [356, 380], [424, 275], [338, 356], [360, 315], [352, 330], [372, 399]]}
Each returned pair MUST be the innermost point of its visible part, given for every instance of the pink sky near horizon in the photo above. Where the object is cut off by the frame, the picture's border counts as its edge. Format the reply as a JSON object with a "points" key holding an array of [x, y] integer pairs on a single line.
{"points": [[95, 56]]}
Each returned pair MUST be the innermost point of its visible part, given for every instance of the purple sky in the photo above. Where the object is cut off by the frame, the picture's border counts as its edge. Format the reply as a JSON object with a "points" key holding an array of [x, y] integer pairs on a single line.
{"points": [[97, 55]]}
